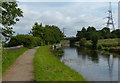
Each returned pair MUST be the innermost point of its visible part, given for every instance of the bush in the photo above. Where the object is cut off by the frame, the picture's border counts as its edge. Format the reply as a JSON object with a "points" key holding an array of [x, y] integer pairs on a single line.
{"points": [[83, 42], [26, 40], [100, 47]]}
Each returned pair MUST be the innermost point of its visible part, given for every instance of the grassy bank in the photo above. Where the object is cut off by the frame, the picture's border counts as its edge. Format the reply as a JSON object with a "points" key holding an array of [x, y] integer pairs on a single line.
{"points": [[106, 44], [9, 56], [49, 68], [64, 41], [109, 42]]}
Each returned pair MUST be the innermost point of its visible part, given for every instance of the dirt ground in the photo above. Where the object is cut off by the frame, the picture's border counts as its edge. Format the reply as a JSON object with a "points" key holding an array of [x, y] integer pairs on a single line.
{"points": [[22, 69]]}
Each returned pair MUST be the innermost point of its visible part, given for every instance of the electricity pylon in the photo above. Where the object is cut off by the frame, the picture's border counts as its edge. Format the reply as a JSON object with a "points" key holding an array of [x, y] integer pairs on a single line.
{"points": [[110, 18]]}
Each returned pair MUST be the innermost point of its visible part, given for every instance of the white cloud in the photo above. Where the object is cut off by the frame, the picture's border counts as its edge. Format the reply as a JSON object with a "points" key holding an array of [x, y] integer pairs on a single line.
{"points": [[72, 16]]}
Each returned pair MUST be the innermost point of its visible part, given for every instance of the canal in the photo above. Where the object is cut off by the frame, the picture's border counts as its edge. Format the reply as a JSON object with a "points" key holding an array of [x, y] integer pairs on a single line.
{"points": [[92, 65]]}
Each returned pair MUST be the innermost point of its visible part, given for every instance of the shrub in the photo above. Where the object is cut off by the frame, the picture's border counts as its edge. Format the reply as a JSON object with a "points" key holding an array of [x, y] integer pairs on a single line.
{"points": [[83, 42], [26, 40], [100, 47]]}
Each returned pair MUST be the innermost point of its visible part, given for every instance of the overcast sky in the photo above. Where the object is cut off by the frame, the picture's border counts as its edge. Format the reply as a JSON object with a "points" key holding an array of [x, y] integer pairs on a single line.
{"points": [[70, 15]]}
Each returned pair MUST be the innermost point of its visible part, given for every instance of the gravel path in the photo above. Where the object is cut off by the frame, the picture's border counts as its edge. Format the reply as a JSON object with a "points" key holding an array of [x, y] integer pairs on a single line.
{"points": [[22, 69]]}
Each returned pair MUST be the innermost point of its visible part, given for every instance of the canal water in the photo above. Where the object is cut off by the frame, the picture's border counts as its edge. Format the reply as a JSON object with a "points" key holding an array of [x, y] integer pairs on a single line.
{"points": [[92, 65]]}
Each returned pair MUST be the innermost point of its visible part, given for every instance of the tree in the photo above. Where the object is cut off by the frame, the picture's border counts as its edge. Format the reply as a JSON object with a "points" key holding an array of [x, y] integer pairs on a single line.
{"points": [[10, 15], [81, 34], [53, 34], [115, 33], [38, 31], [83, 42], [91, 29], [84, 32], [99, 33], [48, 34], [105, 32], [94, 40]]}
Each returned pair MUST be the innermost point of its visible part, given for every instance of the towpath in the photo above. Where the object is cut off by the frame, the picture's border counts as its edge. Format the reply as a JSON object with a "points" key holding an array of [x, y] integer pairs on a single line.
{"points": [[22, 69]]}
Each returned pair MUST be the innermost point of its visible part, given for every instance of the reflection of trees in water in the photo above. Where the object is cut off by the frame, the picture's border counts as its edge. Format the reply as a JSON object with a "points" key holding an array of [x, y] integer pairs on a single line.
{"points": [[94, 56], [82, 52], [87, 53], [104, 56]]}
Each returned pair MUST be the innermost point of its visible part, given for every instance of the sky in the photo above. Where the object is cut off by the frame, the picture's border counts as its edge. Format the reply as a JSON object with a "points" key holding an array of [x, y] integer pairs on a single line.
{"points": [[69, 15]]}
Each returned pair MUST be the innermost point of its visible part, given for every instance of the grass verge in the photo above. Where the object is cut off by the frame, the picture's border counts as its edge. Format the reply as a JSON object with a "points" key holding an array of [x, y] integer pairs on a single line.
{"points": [[109, 42], [9, 56], [49, 68], [106, 44]]}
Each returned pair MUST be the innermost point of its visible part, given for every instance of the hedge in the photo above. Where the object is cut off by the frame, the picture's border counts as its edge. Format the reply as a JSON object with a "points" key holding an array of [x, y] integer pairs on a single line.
{"points": [[25, 40]]}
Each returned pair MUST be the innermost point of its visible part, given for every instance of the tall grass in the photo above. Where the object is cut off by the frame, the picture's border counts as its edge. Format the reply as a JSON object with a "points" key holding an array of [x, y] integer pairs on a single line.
{"points": [[109, 42]]}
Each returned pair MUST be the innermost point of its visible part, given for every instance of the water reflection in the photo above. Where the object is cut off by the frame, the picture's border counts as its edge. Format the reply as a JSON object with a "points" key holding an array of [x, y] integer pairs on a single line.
{"points": [[84, 53], [93, 65]]}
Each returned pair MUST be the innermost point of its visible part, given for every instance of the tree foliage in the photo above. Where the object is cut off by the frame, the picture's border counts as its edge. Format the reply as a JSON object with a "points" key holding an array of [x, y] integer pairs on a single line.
{"points": [[83, 42], [49, 34], [115, 33], [26, 40], [10, 15], [92, 34], [101, 34], [94, 40], [86, 33], [91, 29], [105, 32]]}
